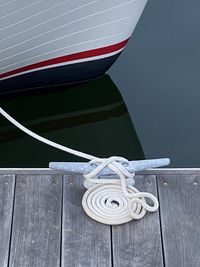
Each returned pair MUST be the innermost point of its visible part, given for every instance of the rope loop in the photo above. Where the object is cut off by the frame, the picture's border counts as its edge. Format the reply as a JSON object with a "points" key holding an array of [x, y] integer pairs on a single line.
{"points": [[116, 164], [115, 201], [109, 201]]}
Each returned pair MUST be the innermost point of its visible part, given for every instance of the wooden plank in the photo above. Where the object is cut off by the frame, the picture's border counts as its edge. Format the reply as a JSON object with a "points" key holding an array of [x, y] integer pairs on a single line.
{"points": [[47, 171], [179, 171], [138, 243], [36, 234], [7, 183], [85, 242], [29, 171], [180, 218]]}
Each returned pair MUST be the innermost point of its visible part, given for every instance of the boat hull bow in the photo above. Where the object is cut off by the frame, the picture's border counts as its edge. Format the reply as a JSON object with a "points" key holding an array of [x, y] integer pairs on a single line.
{"points": [[63, 41]]}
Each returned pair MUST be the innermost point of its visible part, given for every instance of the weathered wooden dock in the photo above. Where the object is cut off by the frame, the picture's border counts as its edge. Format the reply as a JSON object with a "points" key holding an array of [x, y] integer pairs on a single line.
{"points": [[42, 223]]}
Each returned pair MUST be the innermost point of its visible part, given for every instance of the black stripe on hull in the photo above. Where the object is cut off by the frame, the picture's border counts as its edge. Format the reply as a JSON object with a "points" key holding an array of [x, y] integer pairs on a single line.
{"points": [[67, 74]]}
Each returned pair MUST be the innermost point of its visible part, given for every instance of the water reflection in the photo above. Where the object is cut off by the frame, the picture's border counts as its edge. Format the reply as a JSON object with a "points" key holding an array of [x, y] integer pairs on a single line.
{"points": [[91, 117]]}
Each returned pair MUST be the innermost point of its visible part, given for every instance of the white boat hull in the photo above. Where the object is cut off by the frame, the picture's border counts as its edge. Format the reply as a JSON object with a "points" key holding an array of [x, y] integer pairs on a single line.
{"points": [[50, 42]]}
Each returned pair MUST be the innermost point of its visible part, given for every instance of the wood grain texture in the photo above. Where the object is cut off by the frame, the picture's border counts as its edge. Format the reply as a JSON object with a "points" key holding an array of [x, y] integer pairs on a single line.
{"points": [[7, 183], [47, 171], [180, 218], [36, 231], [85, 242], [138, 243], [32, 228]]}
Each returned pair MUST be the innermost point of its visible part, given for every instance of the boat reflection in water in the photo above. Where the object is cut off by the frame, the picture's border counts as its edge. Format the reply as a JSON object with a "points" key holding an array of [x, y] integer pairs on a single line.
{"points": [[90, 117]]}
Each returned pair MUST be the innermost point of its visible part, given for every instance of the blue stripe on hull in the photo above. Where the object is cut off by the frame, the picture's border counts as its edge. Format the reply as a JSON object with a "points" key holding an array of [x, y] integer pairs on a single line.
{"points": [[72, 73]]}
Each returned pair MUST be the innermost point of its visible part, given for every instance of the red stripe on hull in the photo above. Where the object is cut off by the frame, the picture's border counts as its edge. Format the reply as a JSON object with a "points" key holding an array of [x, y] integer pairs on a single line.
{"points": [[68, 58]]}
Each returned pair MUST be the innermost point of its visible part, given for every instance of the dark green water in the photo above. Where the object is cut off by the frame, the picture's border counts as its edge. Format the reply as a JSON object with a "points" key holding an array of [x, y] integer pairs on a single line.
{"points": [[94, 117], [91, 117]]}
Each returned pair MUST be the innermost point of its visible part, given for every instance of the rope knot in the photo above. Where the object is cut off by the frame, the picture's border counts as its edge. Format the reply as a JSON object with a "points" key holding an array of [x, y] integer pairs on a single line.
{"points": [[114, 201], [110, 201], [117, 165]]}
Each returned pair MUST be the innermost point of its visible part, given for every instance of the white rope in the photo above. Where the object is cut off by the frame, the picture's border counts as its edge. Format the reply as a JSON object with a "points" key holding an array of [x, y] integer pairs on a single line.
{"points": [[109, 201], [115, 202], [44, 140]]}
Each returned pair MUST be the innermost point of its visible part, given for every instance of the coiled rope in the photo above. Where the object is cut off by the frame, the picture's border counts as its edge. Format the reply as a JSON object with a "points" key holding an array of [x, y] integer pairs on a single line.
{"points": [[109, 201], [115, 201]]}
